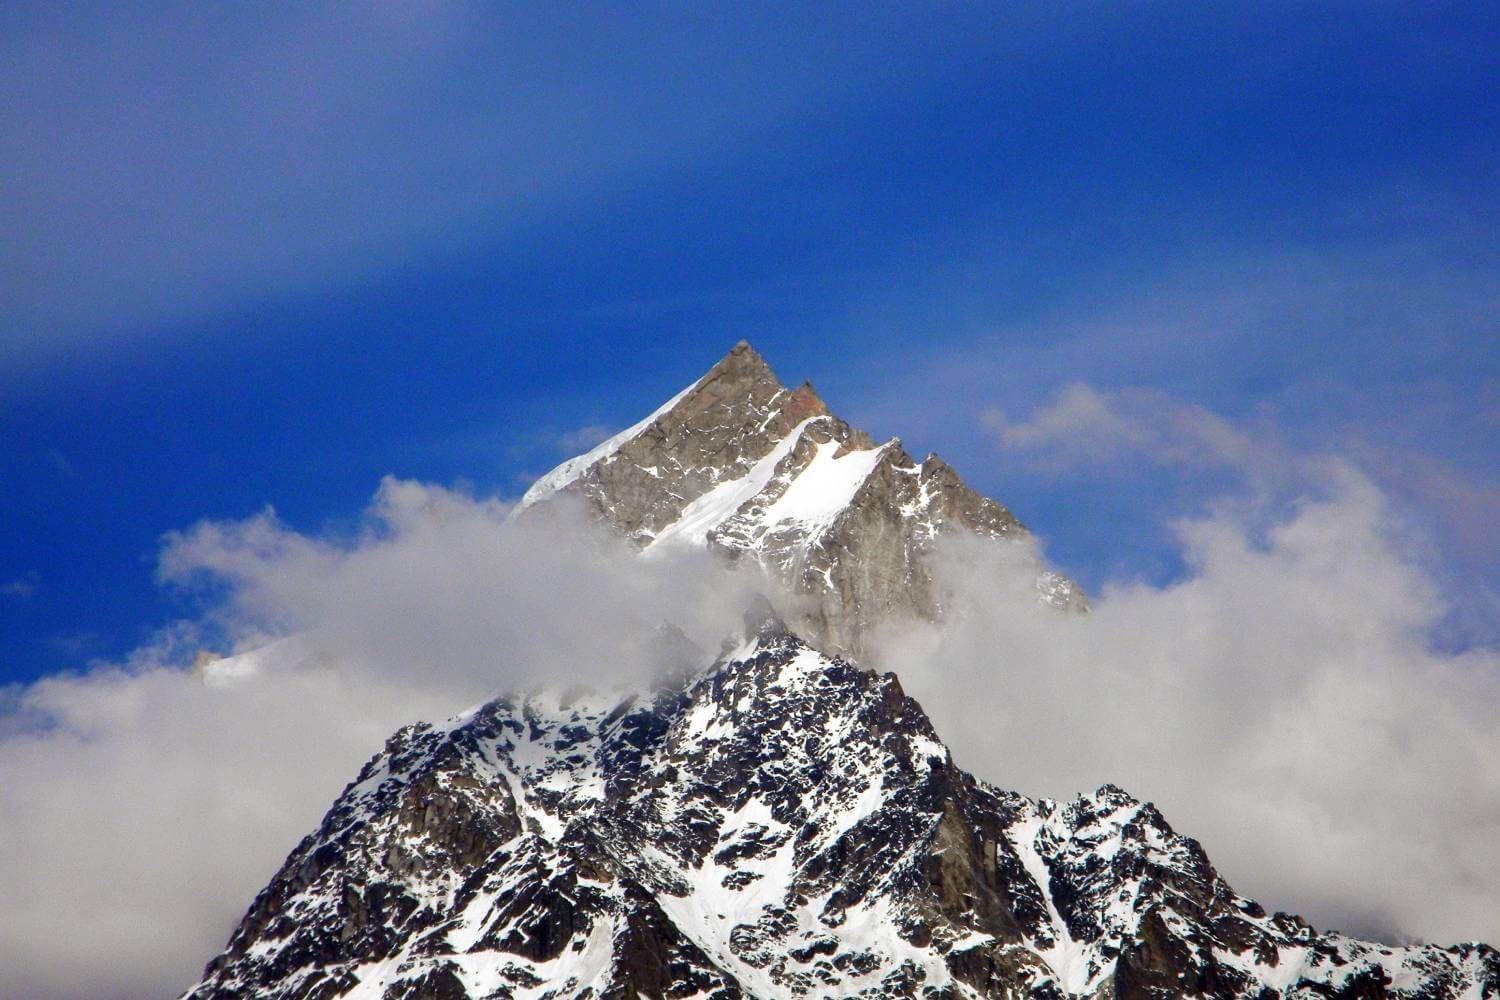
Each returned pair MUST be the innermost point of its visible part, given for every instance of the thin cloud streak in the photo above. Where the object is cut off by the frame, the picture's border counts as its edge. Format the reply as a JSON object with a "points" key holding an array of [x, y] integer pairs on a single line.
{"points": [[1085, 426], [157, 170], [21, 587]]}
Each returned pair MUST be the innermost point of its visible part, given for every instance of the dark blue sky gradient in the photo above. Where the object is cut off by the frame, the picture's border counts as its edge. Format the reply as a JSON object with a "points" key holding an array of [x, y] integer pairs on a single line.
{"points": [[494, 234]]}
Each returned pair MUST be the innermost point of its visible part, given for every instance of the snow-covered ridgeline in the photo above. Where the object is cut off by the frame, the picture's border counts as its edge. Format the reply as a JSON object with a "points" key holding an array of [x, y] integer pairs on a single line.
{"points": [[566, 473]]}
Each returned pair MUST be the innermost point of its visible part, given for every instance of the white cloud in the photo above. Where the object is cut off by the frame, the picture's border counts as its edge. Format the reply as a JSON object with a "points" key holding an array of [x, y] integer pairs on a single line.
{"points": [[21, 587], [150, 806], [141, 810], [1088, 426], [1281, 703]]}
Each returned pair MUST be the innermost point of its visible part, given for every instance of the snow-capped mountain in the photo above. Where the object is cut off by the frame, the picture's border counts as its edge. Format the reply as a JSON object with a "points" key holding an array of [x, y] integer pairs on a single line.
{"points": [[783, 824], [739, 463], [778, 822]]}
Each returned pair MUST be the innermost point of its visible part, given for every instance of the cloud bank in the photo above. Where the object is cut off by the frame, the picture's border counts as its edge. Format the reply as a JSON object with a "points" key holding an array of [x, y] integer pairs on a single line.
{"points": [[1283, 701]]}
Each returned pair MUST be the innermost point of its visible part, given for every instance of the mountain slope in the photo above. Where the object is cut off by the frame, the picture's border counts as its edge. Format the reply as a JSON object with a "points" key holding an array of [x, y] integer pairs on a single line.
{"points": [[739, 463], [781, 824]]}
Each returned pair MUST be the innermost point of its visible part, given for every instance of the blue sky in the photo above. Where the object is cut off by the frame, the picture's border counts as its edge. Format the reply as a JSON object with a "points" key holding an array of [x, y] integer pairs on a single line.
{"points": [[266, 258]]}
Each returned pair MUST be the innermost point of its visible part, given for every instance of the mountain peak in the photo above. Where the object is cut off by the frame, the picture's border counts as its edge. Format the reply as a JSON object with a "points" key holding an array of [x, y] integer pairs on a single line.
{"points": [[742, 353], [738, 396], [742, 364], [739, 463], [780, 822]]}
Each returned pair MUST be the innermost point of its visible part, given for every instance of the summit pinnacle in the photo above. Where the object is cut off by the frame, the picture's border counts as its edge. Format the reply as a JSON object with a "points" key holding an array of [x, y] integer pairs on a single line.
{"points": [[742, 465]]}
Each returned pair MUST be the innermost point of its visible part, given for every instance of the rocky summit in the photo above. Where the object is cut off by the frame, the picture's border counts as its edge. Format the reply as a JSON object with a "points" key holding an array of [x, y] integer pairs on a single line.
{"points": [[740, 464], [778, 822]]}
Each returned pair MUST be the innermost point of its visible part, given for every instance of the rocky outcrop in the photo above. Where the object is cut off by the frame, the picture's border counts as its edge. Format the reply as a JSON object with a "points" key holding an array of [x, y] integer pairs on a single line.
{"points": [[740, 464], [782, 824]]}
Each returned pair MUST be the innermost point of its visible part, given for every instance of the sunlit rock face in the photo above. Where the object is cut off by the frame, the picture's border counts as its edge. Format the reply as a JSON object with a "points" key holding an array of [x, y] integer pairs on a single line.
{"points": [[742, 465], [781, 824]]}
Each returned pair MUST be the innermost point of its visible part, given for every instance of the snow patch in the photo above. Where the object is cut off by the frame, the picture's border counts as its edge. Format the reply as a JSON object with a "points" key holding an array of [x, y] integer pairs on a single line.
{"points": [[720, 503]]}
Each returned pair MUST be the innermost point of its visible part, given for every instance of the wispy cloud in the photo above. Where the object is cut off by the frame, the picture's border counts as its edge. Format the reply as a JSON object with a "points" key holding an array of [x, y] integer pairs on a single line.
{"points": [[581, 439], [156, 168], [1087, 426], [21, 587]]}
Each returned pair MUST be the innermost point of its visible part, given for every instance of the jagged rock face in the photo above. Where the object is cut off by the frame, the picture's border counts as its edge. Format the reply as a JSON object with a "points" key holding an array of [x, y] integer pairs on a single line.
{"points": [[782, 824], [741, 464]]}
